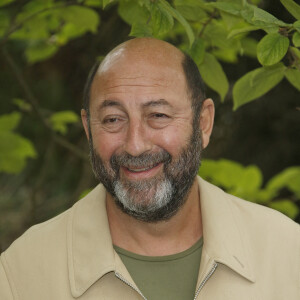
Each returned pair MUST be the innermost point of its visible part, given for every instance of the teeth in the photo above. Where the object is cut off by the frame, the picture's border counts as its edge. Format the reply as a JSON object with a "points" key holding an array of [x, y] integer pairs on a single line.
{"points": [[139, 170]]}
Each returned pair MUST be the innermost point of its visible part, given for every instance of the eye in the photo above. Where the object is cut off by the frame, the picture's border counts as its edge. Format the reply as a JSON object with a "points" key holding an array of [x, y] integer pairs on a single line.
{"points": [[159, 116], [159, 120], [113, 123], [110, 120]]}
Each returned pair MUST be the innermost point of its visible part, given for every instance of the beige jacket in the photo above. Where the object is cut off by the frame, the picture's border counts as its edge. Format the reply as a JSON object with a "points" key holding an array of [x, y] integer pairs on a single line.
{"points": [[250, 252]]}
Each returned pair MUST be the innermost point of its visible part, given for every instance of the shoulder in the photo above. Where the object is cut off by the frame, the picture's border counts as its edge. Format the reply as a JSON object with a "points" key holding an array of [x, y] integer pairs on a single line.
{"points": [[262, 225], [39, 249], [252, 214], [273, 242], [264, 219], [45, 248], [48, 239], [269, 241]]}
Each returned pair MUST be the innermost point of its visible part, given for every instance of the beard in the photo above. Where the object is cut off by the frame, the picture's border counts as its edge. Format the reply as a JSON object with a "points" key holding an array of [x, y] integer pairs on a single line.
{"points": [[158, 198]]}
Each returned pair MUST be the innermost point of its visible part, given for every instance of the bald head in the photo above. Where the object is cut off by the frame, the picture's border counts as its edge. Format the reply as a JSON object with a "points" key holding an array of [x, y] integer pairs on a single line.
{"points": [[136, 57], [141, 50]]}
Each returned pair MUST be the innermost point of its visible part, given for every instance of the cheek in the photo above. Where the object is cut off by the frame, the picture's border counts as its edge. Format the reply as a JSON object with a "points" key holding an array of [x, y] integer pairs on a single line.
{"points": [[106, 144], [174, 139]]}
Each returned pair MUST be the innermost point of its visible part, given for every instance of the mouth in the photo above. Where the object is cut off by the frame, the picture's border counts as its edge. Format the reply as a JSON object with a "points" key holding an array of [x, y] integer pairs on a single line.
{"points": [[141, 169], [141, 172]]}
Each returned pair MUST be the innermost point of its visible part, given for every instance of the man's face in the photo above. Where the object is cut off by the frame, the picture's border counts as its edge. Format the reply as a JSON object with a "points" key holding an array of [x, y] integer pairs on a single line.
{"points": [[143, 147], [157, 198]]}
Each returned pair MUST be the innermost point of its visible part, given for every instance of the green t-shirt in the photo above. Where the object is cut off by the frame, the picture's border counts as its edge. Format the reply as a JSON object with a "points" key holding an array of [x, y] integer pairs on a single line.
{"points": [[165, 277]]}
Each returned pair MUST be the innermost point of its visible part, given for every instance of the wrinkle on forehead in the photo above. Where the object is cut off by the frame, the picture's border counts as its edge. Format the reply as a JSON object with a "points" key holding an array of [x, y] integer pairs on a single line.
{"points": [[131, 85], [140, 81]]}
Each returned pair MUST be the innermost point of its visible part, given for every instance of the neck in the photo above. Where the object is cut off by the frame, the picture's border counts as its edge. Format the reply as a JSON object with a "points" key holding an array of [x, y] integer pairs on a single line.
{"points": [[161, 238]]}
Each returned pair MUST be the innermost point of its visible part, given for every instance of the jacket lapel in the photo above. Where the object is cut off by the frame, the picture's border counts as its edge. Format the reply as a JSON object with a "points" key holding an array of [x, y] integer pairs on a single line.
{"points": [[90, 250], [224, 238]]}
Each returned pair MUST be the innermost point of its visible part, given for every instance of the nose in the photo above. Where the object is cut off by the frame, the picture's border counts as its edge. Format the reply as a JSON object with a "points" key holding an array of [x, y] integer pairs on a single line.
{"points": [[137, 141]]}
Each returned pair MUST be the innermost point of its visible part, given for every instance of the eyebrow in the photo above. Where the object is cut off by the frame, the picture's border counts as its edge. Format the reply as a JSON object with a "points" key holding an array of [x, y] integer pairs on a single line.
{"points": [[157, 103], [107, 103]]}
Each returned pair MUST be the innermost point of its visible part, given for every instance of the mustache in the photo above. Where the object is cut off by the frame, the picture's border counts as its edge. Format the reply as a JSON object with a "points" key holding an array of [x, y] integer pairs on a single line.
{"points": [[141, 161]]}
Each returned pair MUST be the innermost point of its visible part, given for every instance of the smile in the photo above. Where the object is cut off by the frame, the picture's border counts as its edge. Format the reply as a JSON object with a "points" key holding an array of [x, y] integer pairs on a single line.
{"points": [[141, 172], [141, 169]]}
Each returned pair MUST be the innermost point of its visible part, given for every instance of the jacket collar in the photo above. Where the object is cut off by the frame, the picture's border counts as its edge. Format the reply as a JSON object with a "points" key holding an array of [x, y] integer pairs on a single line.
{"points": [[90, 250]]}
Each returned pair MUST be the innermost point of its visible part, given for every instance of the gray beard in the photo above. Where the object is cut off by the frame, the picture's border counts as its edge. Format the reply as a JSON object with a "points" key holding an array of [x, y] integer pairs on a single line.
{"points": [[160, 195], [156, 199]]}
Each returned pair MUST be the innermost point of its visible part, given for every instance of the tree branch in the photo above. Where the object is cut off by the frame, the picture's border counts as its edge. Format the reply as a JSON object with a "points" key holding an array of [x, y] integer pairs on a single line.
{"points": [[30, 98], [211, 17]]}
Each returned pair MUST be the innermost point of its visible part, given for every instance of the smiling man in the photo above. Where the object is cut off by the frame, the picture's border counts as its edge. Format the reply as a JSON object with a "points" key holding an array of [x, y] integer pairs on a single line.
{"points": [[152, 229]]}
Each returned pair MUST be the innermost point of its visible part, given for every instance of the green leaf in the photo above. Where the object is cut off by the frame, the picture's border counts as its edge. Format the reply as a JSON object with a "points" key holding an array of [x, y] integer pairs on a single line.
{"points": [[296, 25], [83, 19], [93, 3], [61, 119], [34, 10], [162, 21], [106, 2], [259, 17], [140, 30], [248, 47], [216, 34], [272, 48], [40, 51], [34, 6], [197, 51], [213, 75], [36, 28], [22, 104], [226, 55], [132, 12], [292, 7], [58, 24], [175, 13], [192, 10], [287, 207], [84, 193], [5, 2], [228, 7], [232, 21], [9, 122], [256, 83], [288, 178], [295, 52], [256, 2], [235, 178], [14, 150], [245, 29], [296, 39], [293, 76]]}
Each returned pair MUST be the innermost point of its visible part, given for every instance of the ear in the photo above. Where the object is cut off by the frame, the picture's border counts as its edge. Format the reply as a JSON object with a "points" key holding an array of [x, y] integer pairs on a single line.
{"points": [[84, 119], [207, 120]]}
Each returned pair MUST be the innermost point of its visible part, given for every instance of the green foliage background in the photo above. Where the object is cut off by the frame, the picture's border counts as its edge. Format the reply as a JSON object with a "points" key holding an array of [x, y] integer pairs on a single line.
{"points": [[247, 53]]}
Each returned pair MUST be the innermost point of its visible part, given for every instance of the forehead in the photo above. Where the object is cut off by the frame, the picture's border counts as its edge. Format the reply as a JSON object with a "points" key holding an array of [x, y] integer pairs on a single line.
{"points": [[139, 78]]}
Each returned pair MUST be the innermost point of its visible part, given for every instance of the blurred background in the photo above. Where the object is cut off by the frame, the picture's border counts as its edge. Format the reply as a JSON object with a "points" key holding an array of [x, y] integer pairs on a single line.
{"points": [[47, 50]]}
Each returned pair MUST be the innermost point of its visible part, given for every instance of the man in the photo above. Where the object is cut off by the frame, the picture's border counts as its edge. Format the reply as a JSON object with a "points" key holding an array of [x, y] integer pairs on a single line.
{"points": [[153, 230]]}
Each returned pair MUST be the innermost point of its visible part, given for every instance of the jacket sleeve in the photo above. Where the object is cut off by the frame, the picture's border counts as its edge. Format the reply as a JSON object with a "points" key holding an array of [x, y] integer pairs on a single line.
{"points": [[5, 289]]}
